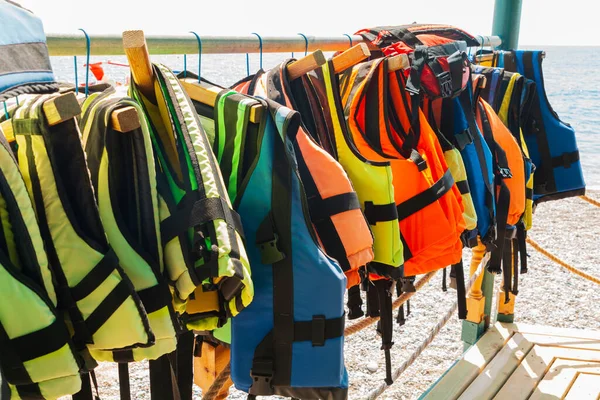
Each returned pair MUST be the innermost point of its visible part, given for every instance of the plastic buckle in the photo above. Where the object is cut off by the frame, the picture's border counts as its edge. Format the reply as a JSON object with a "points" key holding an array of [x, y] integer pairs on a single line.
{"points": [[419, 161], [505, 173], [269, 252], [445, 81], [318, 331], [261, 381], [463, 139]]}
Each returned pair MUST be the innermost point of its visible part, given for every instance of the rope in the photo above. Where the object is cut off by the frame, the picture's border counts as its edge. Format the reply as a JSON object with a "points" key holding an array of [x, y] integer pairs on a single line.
{"points": [[590, 200], [415, 354], [217, 385], [562, 263], [404, 297]]}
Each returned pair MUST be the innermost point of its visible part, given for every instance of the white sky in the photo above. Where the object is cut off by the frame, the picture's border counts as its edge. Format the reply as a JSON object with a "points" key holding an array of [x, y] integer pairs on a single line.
{"points": [[540, 22]]}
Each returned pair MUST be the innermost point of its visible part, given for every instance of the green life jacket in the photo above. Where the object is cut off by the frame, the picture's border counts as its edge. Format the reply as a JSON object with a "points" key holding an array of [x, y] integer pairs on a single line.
{"points": [[204, 254], [103, 308], [37, 358], [123, 174]]}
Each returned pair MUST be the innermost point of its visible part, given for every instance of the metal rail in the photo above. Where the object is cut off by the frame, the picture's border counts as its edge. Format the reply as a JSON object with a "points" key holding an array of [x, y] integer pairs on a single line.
{"points": [[105, 45]]}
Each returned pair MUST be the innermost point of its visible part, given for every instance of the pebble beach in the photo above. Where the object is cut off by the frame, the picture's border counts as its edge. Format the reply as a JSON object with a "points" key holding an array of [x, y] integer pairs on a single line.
{"points": [[548, 295]]}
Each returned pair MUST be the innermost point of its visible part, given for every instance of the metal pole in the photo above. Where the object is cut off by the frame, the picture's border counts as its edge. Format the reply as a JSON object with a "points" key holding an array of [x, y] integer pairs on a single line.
{"points": [[507, 21], [111, 45]]}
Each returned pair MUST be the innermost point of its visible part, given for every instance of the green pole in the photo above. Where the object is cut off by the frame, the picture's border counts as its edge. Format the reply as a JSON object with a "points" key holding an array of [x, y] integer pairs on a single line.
{"points": [[507, 21]]}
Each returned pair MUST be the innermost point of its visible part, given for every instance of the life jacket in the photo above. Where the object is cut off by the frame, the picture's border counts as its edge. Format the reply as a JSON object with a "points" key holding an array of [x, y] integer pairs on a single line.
{"points": [[551, 142], [38, 359], [334, 206], [428, 203], [433, 109], [511, 113], [123, 174], [204, 254], [289, 341], [371, 179], [436, 53], [26, 67], [509, 169], [98, 297]]}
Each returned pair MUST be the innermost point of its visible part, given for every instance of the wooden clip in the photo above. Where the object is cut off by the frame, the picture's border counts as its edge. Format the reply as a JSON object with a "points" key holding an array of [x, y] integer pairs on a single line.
{"points": [[398, 62], [125, 119], [481, 81], [134, 44], [7, 130], [61, 108], [207, 94], [306, 64], [350, 57]]}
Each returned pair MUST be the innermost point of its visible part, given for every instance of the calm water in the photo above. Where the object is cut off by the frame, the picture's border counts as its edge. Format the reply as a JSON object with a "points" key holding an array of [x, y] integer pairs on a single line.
{"points": [[571, 76]]}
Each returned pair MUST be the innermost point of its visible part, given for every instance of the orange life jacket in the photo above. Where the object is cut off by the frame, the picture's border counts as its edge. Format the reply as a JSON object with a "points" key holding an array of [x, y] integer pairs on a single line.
{"points": [[333, 205], [428, 202]]}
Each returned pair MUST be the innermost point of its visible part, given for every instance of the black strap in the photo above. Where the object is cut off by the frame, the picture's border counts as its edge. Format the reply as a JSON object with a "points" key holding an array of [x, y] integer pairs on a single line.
{"points": [[507, 267], [444, 280], [155, 298], [515, 270], [86, 389], [124, 385], [372, 300], [427, 197], [40, 343], [267, 241], [96, 276], [354, 303], [321, 209], [565, 160], [185, 364], [522, 242], [163, 383], [463, 187], [319, 330], [400, 319], [385, 325], [529, 193], [459, 272], [380, 212], [12, 367], [108, 306], [197, 213]]}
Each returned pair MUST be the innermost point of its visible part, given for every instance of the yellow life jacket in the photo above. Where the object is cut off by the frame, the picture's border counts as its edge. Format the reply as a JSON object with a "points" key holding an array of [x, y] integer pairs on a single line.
{"points": [[504, 115], [204, 253], [372, 181], [37, 357], [104, 310], [123, 173]]}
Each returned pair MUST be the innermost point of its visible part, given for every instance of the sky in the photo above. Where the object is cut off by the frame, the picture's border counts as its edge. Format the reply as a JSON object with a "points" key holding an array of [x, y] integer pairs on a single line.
{"points": [[543, 22]]}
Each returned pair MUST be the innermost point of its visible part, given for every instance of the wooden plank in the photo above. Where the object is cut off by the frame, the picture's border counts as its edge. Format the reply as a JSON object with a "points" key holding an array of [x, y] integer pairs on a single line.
{"points": [[585, 387], [562, 374], [562, 341], [306, 64], [125, 119], [499, 369], [134, 44], [209, 366], [61, 108], [466, 370], [524, 380], [206, 93], [350, 57], [551, 331]]}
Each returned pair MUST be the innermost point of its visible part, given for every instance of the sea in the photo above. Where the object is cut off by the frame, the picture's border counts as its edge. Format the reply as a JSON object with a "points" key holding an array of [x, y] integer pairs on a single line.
{"points": [[571, 74]]}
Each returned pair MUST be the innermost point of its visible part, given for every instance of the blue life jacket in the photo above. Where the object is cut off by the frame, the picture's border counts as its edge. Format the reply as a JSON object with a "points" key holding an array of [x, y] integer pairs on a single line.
{"points": [[551, 142], [477, 158], [25, 66], [290, 340]]}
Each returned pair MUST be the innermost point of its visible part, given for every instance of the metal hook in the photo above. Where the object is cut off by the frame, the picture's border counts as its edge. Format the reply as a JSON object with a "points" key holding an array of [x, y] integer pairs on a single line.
{"points": [[199, 54], [349, 38], [305, 43], [260, 46], [87, 62]]}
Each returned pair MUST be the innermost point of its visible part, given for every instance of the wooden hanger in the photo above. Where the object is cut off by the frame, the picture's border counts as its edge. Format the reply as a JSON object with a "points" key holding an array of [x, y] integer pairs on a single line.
{"points": [[306, 64], [57, 109], [125, 119], [134, 44], [398, 62], [350, 57]]}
